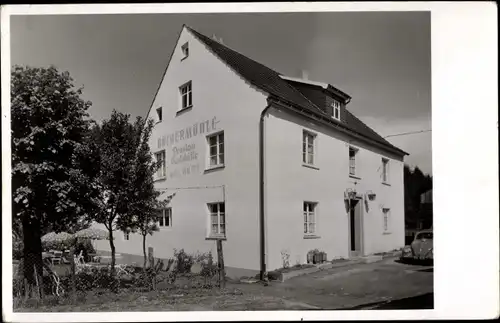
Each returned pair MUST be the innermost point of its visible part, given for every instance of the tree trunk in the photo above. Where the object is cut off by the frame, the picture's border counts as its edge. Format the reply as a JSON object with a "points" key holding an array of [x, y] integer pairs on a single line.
{"points": [[32, 255], [113, 261], [73, 269], [144, 251]]}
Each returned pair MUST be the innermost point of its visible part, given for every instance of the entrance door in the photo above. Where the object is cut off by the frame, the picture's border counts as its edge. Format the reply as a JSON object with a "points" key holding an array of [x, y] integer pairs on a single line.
{"points": [[355, 248]]}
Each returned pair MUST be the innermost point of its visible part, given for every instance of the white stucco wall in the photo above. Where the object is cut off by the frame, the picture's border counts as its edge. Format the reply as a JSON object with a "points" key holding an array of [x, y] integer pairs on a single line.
{"points": [[289, 184], [227, 102]]}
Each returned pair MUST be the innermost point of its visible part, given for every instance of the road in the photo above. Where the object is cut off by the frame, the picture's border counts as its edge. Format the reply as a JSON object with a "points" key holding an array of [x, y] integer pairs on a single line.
{"points": [[380, 285]]}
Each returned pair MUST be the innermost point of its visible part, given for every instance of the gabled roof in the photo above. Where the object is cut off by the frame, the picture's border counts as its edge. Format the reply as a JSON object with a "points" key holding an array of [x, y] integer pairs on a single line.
{"points": [[276, 85]]}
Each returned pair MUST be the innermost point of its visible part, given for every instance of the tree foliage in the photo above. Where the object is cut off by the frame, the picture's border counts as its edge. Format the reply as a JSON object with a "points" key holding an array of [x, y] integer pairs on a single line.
{"points": [[52, 174], [415, 184], [128, 201]]}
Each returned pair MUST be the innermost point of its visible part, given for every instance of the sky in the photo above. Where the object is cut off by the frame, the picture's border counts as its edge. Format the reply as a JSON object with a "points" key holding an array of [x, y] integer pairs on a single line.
{"points": [[381, 59]]}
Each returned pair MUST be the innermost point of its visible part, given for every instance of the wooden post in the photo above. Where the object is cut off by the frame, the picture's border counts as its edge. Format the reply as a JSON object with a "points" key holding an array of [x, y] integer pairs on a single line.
{"points": [[220, 261], [151, 257]]}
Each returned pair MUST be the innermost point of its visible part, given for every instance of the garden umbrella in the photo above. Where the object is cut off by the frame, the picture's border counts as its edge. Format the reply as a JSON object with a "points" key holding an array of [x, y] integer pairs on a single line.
{"points": [[92, 233], [52, 236]]}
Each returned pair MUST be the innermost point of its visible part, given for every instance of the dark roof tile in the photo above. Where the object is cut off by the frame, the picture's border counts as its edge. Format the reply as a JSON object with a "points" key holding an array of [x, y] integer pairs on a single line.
{"points": [[270, 81]]}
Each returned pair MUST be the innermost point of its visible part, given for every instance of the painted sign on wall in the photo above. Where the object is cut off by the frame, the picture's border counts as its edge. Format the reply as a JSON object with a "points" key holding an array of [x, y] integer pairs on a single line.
{"points": [[189, 132], [183, 156]]}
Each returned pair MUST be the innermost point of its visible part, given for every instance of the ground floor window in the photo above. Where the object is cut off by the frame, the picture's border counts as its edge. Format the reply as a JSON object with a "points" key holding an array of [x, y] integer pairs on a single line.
{"points": [[310, 218], [386, 212], [165, 218], [217, 219]]}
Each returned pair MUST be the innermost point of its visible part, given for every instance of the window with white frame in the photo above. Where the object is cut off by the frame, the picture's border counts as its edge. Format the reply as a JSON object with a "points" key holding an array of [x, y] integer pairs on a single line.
{"points": [[308, 147], [161, 160], [216, 150], [159, 114], [352, 160], [217, 219], [126, 235], [165, 218], [186, 95], [387, 214], [385, 170], [310, 218], [185, 50], [336, 110]]}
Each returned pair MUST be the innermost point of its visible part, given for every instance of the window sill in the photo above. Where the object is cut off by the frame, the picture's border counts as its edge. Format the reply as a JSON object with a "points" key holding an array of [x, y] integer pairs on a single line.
{"points": [[165, 228], [310, 166], [159, 179], [386, 233], [354, 176], [223, 238], [311, 236], [214, 168], [181, 111], [386, 184]]}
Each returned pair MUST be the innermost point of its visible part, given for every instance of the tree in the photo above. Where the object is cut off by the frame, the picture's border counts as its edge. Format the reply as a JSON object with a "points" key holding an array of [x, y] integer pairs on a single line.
{"points": [[415, 184], [146, 204], [51, 170], [125, 174]]}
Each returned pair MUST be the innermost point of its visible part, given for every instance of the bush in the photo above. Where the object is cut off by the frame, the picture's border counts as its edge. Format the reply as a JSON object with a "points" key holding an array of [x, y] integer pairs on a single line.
{"points": [[184, 261], [17, 249]]}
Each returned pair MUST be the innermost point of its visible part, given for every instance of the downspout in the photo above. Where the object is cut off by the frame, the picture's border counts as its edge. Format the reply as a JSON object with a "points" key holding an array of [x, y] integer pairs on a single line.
{"points": [[263, 273]]}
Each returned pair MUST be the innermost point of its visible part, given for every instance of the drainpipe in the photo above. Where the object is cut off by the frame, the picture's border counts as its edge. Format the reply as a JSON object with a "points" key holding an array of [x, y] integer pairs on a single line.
{"points": [[263, 274]]}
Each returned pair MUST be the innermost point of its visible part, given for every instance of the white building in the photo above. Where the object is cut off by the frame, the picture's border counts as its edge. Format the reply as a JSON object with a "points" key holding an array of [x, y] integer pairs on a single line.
{"points": [[269, 163]]}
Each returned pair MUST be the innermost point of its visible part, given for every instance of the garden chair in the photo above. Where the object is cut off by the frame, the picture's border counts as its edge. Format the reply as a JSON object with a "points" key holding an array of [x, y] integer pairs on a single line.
{"points": [[79, 259], [56, 258]]}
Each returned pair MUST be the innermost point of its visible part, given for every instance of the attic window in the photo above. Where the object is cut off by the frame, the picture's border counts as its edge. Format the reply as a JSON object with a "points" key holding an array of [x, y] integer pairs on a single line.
{"points": [[336, 110], [185, 50], [159, 114]]}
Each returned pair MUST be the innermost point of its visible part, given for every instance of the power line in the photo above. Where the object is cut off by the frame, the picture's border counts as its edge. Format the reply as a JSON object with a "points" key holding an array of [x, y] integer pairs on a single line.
{"points": [[189, 188], [407, 133]]}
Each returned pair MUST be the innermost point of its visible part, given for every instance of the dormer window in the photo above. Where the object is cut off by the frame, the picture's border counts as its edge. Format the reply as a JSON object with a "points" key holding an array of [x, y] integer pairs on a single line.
{"points": [[336, 110], [159, 114], [185, 50]]}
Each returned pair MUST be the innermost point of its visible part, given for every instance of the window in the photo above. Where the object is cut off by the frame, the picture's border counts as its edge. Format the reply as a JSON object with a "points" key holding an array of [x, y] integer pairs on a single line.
{"points": [[185, 50], [216, 150], [160, 159], [352, 160], [386, 213], [159, 114], [186, 96], [308, 148], [309, 218], [217, 219], [126, 235], [165, 218], [385, 170], [336, 110]]}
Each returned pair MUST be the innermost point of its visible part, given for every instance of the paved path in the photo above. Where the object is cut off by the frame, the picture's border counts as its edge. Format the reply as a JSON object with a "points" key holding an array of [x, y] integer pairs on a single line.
{"points": [[351, 286]]}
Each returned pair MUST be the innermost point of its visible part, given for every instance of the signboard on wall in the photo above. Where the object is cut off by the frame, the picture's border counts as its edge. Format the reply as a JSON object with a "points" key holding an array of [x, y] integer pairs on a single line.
{"points": [[182, 153]]}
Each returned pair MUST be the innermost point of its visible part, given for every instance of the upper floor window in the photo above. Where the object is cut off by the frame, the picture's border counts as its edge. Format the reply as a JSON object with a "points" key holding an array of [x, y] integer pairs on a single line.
{"points": [[308, 147], [336, 110], [216, 149], [126, 235], [159, 114], [185, 50], [385, 170], [186, 95], [161, 160], [352, 160], [165, 218], [309, 218], [217, 219]]}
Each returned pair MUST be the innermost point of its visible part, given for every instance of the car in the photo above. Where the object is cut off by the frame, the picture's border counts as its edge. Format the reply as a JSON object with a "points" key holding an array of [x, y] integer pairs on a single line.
{"points": [[421, 249]]}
